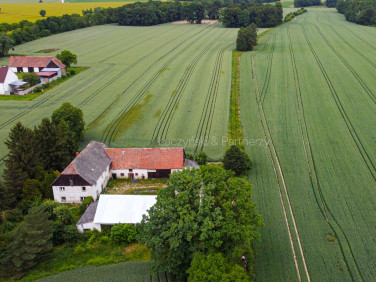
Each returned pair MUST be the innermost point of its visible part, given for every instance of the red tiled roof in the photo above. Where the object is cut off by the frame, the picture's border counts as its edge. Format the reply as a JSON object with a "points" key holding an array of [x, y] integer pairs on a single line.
{"points": [[36, 62], [70, 169], [46, 73], [3, 74], [146, 158]]}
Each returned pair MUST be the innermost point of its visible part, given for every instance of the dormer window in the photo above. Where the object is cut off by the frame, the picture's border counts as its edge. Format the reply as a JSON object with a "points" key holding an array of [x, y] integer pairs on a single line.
{"points": [[70, 181], [62, 188], [83, 189]]}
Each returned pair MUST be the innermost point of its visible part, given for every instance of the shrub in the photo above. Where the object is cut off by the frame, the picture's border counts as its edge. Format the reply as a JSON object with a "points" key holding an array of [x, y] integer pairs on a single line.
{"points": [[72, 72], [63, 214], [63, 76], [31, 78], [236, 160], [71, 234], [38, 89], [46, 85], [202, 158], [86, 202], [123, 233], [104, 240], [78, 250], [13, 215]]}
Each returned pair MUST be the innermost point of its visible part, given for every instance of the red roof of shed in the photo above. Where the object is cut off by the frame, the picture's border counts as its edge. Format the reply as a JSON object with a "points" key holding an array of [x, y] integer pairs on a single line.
{"points": [[46, 73], [146, 158], [36, 62]]}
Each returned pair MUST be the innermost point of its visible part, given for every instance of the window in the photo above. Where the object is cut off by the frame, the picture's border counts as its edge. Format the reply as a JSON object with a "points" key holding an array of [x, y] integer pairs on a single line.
{"points": [[19, 69], [130, 170], [136, 174], [83, 189], [122, 174], [62, 188], [63, 199], [82, 199], [70, 181], [30, 69]]}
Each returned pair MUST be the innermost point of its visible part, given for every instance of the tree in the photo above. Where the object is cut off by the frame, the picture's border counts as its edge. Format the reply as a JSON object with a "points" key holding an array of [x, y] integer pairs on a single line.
{"points": [[279, 17], [201, 210], [67, 58], [74, 117], [247, 38], [28, 245], [31, 190], [32, 78], [214, 267], [6, 43], [42, 13], [236, 160], [63, 214], [201, 158], [123, 233]]}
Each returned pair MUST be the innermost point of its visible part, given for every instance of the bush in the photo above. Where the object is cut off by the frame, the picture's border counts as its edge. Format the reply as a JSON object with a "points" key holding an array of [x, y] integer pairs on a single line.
{"points": [[104, 240], [71, 234], [46, 85], [78, 250], [38, 89], [13, 215], [86, 202], [63, 76], [123, 233], [201, 158], [236, 160], [31, 78], [72, 72], [63, 214]]}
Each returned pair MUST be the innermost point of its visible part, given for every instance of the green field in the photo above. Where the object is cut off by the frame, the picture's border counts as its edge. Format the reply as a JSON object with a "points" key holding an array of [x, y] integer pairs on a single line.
{"points": [[145, 84], [59, 1], [310, 90], [135, 271]]}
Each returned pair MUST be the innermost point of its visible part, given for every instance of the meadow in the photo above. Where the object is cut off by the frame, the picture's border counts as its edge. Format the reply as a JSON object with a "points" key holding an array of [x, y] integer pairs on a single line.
{"points": [[146, 86], [309, 90], [14, 13]]}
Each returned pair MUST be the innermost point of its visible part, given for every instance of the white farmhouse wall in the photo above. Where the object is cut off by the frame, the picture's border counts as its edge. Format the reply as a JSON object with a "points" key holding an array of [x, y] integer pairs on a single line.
{"points": [[36, 69], [13, 69], [138, 173], [4, 87], [88, 226], [25, 69]]}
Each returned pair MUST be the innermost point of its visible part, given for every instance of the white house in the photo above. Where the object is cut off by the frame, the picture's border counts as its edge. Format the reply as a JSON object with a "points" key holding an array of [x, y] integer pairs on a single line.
{"points": [[7, 76], [89, 172], [114, 209], [36, 64], [85, 176]]}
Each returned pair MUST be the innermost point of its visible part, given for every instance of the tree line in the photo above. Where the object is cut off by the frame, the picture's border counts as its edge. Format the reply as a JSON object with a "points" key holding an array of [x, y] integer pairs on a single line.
{"points": [[36, 155], [262, 15], [306, 3], [358, 11]]}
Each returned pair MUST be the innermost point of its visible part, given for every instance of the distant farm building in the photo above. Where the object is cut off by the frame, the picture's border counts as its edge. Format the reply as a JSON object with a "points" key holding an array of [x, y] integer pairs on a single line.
{"points": [[114, 209], [43, 66], [8, 81], [90, 171]]}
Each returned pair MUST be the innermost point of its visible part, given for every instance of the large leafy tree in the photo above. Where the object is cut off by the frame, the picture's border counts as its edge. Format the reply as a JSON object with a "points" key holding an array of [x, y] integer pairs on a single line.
{"points": [[67, 58], [247, 38], [6, 43], [29, 244], [236, 160], [206, 210], [73, 116]]}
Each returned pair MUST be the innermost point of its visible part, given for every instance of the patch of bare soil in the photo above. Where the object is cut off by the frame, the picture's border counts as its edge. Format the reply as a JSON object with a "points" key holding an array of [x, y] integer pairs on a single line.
{"points": [[202, 22]]}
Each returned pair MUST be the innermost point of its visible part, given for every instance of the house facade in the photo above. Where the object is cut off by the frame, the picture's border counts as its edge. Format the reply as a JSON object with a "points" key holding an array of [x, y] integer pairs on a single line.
{"points": [[23, 64], [90, 171], [7, 76]]}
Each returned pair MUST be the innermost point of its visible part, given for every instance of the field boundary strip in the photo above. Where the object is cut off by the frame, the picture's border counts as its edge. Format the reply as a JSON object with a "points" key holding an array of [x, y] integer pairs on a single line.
{"points": [[110, 132]]}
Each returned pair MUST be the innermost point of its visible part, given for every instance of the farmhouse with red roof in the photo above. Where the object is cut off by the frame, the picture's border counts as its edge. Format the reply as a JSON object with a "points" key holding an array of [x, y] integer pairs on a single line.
{"points": [[37, 65], [90, 171], [7, 77]]}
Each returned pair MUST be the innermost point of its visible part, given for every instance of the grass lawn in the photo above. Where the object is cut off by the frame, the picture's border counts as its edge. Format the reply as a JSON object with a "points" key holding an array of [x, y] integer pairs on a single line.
{"points": [[126, 186]]}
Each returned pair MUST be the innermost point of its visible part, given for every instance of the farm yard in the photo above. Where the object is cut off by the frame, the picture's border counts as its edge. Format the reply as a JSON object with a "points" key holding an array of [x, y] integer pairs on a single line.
{"points": [[29, 10], [146, 86], [309, 89]]}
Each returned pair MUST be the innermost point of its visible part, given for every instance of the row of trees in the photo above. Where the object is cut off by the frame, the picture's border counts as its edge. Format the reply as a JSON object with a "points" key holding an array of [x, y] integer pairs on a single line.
{"points": [[261, 15], [306, 3], [358, 11], [36, 154]]}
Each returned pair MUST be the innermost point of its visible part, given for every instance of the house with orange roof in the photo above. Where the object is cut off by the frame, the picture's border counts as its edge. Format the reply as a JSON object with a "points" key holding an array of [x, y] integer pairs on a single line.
{"points": [[39, 65], [90, 171]]}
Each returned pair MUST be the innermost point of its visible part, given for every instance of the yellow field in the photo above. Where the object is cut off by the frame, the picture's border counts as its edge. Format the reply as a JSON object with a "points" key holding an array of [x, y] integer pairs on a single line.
{"points": [[13, 13]]}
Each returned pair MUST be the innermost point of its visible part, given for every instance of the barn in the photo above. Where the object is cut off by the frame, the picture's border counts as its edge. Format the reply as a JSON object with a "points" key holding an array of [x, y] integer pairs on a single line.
{"points": [[36, 64]]}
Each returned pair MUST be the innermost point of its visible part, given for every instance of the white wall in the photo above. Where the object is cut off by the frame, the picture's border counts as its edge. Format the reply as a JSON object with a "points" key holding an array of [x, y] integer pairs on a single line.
{"points": [[88, 225], [140, 172], [25, 69], [4, 87], [13, 69]]}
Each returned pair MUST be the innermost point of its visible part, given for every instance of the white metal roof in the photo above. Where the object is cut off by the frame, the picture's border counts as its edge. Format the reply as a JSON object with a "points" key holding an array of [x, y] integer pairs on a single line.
{"points": [[113, 209]]}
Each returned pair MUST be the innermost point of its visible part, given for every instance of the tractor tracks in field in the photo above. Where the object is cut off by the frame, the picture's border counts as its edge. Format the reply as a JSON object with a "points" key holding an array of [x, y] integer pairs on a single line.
{"points": [[354, 73], [268, 71], [312, 171], [110, 132], [363, 152], [206, 120], [163, 124], [280, 180]]}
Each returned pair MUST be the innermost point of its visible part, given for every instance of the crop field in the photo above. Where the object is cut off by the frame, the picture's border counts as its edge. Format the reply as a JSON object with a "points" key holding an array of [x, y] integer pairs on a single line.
{"points": [[14, 13], [166, 85], [58, 1], [309, 90], [135, 271]]}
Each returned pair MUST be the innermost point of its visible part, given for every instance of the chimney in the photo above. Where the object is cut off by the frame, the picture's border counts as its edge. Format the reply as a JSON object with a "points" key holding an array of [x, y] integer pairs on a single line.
{"points": [[122, 153]]}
